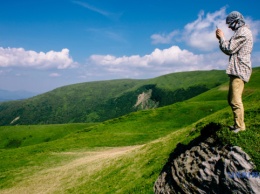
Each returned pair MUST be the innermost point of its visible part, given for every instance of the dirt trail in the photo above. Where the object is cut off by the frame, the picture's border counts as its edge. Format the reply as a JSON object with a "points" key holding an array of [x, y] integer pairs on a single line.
{"points": [[54, 180]]}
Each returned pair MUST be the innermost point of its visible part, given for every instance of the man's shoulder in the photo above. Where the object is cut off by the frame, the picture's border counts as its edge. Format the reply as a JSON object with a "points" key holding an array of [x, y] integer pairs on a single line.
{"points": [[245, 30]]}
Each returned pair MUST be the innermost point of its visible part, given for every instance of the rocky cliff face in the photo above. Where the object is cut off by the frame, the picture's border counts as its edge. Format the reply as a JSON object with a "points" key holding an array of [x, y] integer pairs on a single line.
{"points": [[207, 166]]}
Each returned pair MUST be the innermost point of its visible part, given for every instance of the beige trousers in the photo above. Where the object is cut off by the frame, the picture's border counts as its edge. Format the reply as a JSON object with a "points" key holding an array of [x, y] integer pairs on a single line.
{"points": [[236, 87]]}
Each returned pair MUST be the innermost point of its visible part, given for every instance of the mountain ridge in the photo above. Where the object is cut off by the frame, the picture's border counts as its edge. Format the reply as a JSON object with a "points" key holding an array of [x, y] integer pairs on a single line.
{"points": [[102, 100]]}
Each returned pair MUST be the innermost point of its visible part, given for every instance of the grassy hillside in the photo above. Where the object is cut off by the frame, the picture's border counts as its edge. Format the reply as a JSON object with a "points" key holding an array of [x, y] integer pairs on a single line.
{"points": [[62, 105], [121, 155], [100, 101], [26, 135]]}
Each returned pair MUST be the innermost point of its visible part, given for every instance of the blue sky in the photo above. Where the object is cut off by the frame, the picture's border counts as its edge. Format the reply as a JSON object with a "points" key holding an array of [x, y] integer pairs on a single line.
{"points": [[46, 44]]}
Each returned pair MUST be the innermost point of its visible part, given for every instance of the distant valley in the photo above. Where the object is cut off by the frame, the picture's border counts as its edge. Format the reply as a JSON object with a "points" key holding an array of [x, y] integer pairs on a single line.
{"points": [[6, 95]]}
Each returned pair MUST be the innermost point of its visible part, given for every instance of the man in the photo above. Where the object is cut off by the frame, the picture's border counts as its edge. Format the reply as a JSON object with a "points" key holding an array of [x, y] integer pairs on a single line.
{"points": [[239, 69]]}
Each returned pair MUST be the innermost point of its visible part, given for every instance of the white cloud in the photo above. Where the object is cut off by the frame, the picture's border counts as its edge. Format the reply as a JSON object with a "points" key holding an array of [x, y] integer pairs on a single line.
{"points": [[159, 62], [254, 26], [163, 57], [200, 34], [18, 57]]}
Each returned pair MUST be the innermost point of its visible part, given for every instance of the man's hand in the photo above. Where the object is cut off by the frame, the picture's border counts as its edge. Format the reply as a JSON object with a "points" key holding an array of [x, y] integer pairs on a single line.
{"points": [[219, 34]]}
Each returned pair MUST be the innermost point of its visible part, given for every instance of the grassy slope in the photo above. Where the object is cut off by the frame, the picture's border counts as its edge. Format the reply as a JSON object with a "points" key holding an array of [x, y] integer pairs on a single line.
{"points": [[186, 79], [158, 131]]}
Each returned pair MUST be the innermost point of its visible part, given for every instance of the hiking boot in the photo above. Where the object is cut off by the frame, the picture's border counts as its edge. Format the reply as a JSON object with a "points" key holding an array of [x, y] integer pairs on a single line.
{"points": [[233, 127], [238, 130]]}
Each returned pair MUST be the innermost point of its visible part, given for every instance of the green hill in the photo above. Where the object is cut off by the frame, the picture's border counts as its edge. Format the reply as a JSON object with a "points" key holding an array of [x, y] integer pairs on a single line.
{"points": [[103, 100], [120, 155]]}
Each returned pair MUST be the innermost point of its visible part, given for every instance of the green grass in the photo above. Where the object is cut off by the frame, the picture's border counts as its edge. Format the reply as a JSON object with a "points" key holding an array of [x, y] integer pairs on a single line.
{"points": [[133, 129], [71, 161], [25, 135], [249, 140], [134, 172]]}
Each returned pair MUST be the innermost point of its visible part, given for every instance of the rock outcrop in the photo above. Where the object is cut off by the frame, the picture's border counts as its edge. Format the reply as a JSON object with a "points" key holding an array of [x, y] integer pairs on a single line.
{"points": [[207, 166], [145, 102]]}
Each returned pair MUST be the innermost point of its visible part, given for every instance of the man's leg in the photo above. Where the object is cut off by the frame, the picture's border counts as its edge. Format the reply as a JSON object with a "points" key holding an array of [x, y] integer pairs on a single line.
{"points": [[236, 87]]}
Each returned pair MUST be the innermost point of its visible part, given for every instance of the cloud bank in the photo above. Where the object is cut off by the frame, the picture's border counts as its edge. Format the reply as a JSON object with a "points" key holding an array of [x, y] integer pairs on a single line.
{"points": [[18, 57], [173, 59], [158, 57]]}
